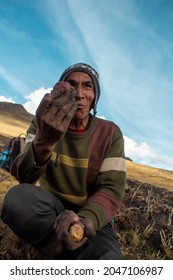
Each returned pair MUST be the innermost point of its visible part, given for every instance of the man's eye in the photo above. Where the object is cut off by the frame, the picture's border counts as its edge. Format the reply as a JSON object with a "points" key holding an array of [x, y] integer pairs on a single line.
{"points": [[88, 86]]}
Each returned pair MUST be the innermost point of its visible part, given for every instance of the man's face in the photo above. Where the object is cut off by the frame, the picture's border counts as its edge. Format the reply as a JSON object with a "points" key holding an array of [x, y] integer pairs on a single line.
{"points": [[84, 87]]}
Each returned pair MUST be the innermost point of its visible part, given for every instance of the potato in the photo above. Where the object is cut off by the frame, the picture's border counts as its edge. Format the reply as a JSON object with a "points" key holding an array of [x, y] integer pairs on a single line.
{"points": [[77, 231]]}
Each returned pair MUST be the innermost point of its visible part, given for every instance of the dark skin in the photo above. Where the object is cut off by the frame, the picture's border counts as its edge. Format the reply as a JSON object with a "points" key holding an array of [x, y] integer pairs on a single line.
{"points": [[54, 115], [84, 88], [62, 225], [67, 106]]}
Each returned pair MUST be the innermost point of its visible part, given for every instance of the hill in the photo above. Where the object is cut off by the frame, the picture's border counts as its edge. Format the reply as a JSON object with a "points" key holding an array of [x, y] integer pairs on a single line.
{"points": [[150, 175], [14, 119], [144, 222]]}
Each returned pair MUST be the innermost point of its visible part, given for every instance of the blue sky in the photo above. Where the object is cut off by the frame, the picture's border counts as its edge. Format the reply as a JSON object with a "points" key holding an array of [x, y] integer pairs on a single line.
{"points": [[130, 44]]}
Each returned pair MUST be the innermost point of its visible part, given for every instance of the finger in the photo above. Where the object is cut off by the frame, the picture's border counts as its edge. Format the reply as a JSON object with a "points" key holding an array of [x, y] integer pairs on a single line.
{"points": [[62, 85], [65, 122], [63, 217], [55, 223], [67, 239], [61, 100], [44, 104], [64, 220], [57, 93], [62, 229], [68, 214], [70, 243], [67, 111], [89, 230], [73, 217], [60, 88]]}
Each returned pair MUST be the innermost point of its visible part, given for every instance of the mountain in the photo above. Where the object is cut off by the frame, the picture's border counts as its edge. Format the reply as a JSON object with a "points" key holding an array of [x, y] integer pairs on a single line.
{"points": [[14, 119], [16, 111]]}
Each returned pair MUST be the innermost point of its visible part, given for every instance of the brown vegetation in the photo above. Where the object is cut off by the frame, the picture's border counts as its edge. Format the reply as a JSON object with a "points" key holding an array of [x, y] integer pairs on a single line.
{"points": [[144, 224]]}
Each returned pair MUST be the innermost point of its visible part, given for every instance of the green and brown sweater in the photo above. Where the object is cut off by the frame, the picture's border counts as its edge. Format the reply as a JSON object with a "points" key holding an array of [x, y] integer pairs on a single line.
{"points": [[91, 170]]}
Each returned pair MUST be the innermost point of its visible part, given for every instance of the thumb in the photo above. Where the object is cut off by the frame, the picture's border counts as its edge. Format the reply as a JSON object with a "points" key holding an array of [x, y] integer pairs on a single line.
{"points": [[89, 230]]}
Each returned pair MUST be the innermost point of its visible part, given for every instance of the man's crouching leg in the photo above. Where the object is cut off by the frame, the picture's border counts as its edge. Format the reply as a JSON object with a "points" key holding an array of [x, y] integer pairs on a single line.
{"points": [[30, 212]]}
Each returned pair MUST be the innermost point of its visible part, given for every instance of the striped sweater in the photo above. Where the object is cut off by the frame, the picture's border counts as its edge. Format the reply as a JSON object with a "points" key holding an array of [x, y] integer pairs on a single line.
{"points": [[91, 170]]}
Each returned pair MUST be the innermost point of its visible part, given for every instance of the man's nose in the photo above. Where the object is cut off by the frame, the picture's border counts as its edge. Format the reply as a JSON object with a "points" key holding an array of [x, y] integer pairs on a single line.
{"points": [[79, 92]]}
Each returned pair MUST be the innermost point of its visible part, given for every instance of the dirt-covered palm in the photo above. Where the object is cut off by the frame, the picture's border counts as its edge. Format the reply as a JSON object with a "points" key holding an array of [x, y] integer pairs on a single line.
{"points": [[55, 113]]}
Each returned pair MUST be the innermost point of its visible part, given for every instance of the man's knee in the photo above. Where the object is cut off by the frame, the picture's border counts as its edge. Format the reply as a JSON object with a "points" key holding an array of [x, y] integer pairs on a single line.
{"points": [[30, 212], [14, 202]]}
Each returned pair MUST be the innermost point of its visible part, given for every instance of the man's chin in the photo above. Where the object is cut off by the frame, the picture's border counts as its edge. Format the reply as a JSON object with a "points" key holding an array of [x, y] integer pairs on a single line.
{"points": [[79, 115]]}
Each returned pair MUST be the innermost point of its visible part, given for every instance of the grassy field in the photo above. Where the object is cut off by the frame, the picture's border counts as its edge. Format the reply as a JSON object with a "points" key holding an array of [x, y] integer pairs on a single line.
{"points": [[144, 222], [14, 132], [146, 174], [12, 128]]}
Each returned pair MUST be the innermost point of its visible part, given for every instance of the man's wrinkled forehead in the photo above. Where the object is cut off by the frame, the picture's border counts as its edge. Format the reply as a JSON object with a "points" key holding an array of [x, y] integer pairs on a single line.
{"points": [[79, 76]]}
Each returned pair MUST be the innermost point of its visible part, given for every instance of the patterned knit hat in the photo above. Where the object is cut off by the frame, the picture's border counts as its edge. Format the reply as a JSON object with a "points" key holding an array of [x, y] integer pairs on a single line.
{"points": [[82, 67]]}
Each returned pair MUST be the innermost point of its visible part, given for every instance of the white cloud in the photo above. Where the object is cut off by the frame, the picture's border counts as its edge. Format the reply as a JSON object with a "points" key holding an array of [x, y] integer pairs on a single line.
{"points": [[6, 99], [143, 153], [138, 151], [34, 99]]}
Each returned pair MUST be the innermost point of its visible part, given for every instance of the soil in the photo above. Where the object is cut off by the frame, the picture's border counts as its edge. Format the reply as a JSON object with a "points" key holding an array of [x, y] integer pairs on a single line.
{"points": [[144, 223]]}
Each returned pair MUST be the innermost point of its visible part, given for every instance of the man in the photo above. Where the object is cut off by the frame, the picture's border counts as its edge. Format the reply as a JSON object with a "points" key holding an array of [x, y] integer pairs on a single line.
{"points": [[78, 162]]}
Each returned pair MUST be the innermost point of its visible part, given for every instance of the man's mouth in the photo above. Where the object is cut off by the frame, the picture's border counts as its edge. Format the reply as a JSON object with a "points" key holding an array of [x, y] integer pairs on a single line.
{"points": [[80, 106]]}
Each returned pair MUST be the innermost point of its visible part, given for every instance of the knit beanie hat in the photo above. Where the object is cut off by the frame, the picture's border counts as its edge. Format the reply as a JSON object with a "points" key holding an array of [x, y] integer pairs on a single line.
{"points": [[83, 67]]}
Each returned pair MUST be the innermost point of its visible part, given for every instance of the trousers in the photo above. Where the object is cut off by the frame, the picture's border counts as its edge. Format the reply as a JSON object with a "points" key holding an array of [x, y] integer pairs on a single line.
{"points": [[30, 212]]}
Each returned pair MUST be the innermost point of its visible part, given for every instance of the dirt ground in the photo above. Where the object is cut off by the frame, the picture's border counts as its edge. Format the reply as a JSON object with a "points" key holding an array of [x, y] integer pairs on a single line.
{"points": [[144, 225]]}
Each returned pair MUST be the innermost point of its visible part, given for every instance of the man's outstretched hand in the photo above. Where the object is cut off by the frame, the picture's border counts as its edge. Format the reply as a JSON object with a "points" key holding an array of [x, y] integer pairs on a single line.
{"points": [[54, 115]]}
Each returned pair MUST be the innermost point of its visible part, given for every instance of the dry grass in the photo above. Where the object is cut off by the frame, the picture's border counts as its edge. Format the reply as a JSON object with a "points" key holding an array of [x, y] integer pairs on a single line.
{"points": [[146, 174], [12, 128], [144, 224]]}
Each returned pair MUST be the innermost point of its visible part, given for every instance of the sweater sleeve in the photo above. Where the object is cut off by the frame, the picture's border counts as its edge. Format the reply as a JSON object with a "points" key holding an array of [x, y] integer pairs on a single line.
{"points": [[28, 171], [101, 207]]}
